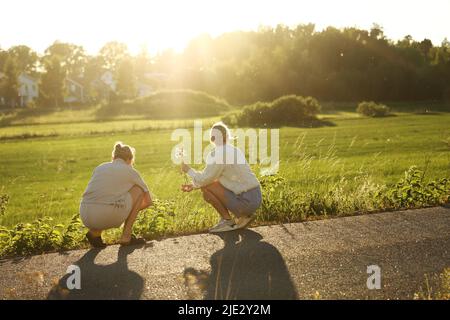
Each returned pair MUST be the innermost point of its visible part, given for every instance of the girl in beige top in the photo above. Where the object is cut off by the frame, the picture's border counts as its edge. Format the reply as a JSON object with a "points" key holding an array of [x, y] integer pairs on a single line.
{"points": [[115, 194]]}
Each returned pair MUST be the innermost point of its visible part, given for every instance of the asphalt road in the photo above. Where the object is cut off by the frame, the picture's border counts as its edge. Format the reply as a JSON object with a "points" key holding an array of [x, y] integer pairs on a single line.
{"points": [[325, 259]]}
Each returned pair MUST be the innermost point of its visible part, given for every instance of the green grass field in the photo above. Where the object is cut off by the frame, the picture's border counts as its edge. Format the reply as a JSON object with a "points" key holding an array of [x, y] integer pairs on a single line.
{"points": [[46, 176]]}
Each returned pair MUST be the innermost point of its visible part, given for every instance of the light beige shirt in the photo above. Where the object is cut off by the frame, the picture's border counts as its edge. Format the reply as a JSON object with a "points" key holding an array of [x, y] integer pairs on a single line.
{"points": [[110, 181], [228, 165]]}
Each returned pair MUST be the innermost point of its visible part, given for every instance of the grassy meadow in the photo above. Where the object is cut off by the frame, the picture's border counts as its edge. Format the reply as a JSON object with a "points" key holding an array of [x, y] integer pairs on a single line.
{"points": [[46, 162]]}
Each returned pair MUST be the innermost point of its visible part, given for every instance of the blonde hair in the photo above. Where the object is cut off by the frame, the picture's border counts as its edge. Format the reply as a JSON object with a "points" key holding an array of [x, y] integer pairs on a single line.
{"points": [[123, 151], [223, 129]]}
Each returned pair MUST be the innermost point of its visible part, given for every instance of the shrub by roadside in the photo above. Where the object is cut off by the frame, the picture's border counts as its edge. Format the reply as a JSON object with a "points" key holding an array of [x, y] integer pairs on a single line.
{"points": [[372, 109], [281, 204], [41, 235], [288, 110]]}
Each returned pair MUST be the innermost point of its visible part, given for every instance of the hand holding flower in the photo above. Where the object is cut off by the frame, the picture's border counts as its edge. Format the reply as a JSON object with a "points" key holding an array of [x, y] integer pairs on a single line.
{"points": [[187, 187], [184, 167]]}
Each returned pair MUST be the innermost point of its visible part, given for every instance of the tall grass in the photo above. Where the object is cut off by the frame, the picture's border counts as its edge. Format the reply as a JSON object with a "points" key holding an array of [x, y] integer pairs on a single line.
{"points": [[361, 165], [435, 287]]}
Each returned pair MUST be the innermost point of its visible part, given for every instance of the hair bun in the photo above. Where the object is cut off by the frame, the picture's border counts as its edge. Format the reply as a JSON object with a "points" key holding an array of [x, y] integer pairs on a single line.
{"points": [[118, 145], [123, 151]]}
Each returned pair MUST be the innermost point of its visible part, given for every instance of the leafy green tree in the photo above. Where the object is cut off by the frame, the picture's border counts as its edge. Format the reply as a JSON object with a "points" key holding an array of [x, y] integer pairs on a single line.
{"points": [[3, 57], [142, 63], [92, 73], [26, 59], [347, 64], [126, 80], [72, 57], [9, 85], [112, 54], [425, 46], [52, 85], [332, 64]]}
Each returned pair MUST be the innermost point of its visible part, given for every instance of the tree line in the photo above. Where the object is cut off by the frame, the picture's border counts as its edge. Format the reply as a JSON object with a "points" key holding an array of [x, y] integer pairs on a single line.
{"points": [[243, 67], [334, 65]]}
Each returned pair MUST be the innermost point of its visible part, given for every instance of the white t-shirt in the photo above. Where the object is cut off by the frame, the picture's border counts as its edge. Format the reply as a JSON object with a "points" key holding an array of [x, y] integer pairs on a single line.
{"points": [[228, 165], [110, 181]]}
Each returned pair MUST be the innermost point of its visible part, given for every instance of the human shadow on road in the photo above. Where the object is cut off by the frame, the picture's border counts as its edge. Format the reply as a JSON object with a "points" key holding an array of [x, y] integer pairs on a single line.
{"points": [[101, 282], [245, 268]]}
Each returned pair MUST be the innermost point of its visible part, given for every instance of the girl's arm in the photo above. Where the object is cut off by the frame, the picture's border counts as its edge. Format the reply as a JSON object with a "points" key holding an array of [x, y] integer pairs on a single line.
{"points": [[146, 201], [137, 180], [212, 171]]}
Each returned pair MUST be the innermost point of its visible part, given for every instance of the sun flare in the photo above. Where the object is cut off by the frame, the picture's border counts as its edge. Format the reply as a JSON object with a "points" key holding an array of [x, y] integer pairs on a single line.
{"points": [[158, 25]]}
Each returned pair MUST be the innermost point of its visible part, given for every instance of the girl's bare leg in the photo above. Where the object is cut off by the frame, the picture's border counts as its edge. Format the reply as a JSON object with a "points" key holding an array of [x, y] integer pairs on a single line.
{"points": [[137, 194], [214, 194]]}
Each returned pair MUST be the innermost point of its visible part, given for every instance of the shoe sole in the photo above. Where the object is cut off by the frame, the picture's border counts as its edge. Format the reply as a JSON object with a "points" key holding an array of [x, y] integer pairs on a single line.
{"points": [[245, 225], [222, 230]]}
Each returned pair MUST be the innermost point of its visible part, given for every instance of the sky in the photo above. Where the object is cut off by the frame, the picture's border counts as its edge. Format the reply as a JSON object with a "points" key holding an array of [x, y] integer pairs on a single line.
{"points": [[159, 25]]}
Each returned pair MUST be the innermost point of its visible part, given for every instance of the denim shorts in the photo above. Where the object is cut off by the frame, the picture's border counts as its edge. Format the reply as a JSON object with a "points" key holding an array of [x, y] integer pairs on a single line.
{"points": [[245, 203]]}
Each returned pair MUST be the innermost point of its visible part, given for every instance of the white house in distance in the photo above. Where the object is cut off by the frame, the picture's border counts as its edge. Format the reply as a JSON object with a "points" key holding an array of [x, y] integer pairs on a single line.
{"points": [[108, 78], [74, 91], [144, 90], [105, 84], [143, 87], [156, 76], [151, 80], [28, 89]]}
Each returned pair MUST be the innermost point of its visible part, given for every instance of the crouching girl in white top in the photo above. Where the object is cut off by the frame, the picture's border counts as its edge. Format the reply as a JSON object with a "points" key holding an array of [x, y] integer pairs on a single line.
{"points": [[115, 194], [227, 182]]}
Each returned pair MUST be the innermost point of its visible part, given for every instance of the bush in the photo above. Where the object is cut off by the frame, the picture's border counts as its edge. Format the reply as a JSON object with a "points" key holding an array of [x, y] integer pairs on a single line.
{"points": [[44, 235], [372, 109], [40, 236], [156, 221], [289, 110], [168, 104], [283, 204], [413, 191]]}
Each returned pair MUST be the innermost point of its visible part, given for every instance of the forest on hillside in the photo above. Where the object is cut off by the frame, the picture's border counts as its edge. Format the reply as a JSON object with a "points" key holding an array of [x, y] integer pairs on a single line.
{"points": [[243, 67]]}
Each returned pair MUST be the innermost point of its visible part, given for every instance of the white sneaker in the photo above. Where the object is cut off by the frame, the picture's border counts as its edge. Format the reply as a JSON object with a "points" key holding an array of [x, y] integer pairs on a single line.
{"points": [[244, 222], [223, 226]]}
